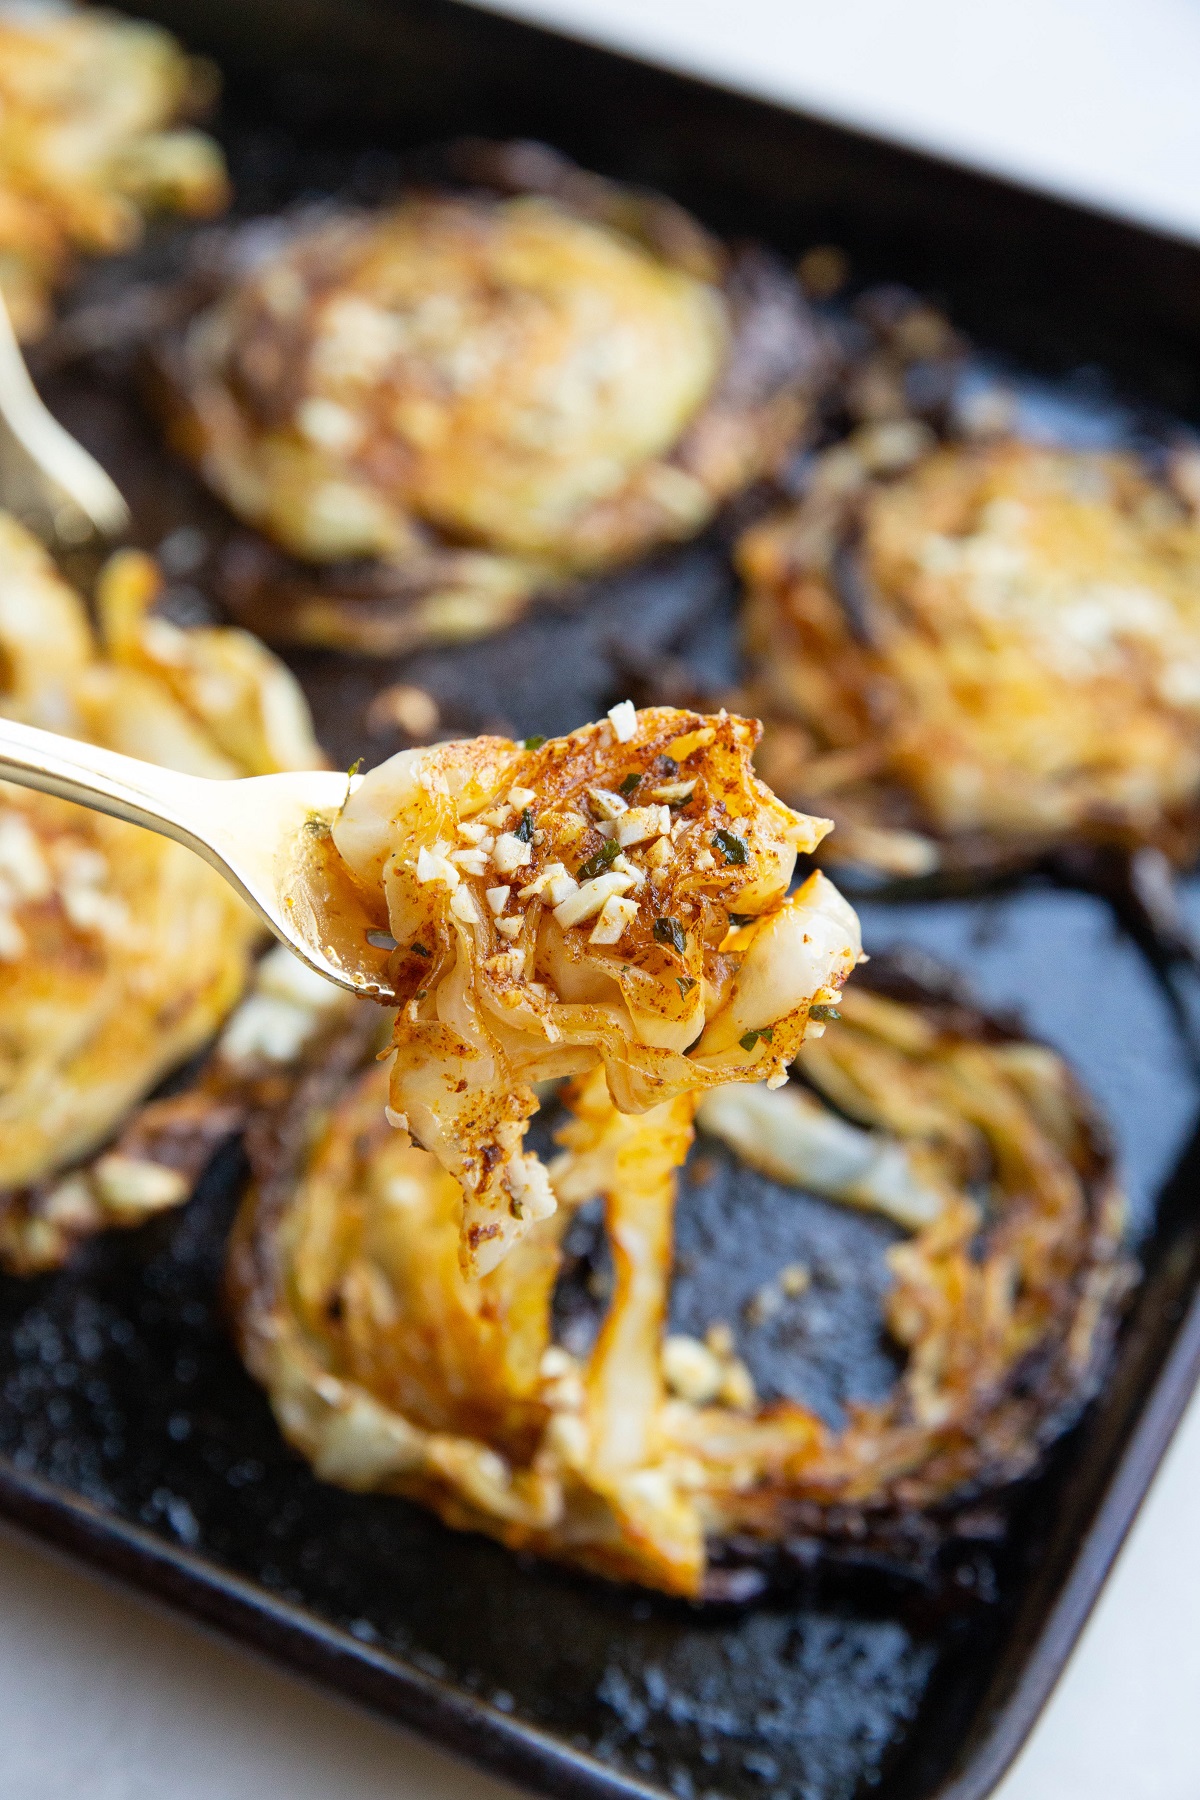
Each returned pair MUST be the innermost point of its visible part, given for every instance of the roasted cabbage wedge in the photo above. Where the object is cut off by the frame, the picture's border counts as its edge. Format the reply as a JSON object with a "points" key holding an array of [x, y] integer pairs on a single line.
{"points": [[91, 142], [615, 898], [971, 649], [649, 1457], [120, 951], [438, 409]]}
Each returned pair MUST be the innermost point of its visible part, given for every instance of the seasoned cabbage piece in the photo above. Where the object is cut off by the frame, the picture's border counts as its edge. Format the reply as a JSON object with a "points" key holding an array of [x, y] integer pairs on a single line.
{"points": [[120, 951], [90, 142], [468, 396], [646, 1452], [618, 896], [996, 645]]}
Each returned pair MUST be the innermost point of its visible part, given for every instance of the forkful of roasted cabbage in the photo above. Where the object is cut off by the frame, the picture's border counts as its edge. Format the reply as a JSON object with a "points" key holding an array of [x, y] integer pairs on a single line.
{"points": [[617, 898]]}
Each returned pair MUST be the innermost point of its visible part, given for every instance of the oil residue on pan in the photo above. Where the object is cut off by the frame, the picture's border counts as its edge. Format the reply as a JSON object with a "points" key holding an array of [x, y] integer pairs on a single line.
{"points": [[120, 1384], [118, 1381]]}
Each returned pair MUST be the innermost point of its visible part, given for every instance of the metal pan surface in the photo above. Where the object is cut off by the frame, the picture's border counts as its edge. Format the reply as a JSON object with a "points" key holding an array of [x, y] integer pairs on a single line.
{"points": [[128, 1430]]}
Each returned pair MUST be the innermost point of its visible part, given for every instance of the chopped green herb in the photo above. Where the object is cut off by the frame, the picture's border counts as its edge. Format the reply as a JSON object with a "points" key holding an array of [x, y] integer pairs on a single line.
{"points": [[355, 766], [669, 931], [821, 1013], [515, 1208], [524, 830], [595, 865], [733, 848], [685, 984], [532, 743], [421, 950], [751, 1037], [737, 920], [421, 993], [629, 783]]}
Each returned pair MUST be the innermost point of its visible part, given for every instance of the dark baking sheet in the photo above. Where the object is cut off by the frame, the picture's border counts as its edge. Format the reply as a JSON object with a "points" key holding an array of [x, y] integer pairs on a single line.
{"points": [[128, 1430]]}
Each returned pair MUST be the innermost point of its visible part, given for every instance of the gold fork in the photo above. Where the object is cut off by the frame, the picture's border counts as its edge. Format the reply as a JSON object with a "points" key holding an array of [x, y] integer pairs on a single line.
{"points": [[268, 835], [46, 477]]}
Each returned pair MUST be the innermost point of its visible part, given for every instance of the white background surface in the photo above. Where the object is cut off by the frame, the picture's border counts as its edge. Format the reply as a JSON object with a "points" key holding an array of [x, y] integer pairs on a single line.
{"points": [[1096, 99], [103, 1697]]}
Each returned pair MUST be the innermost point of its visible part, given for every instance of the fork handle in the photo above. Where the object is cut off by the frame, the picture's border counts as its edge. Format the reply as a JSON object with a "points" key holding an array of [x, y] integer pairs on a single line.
{"points": [[56, 460], [140, 792], [255, 832]]}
